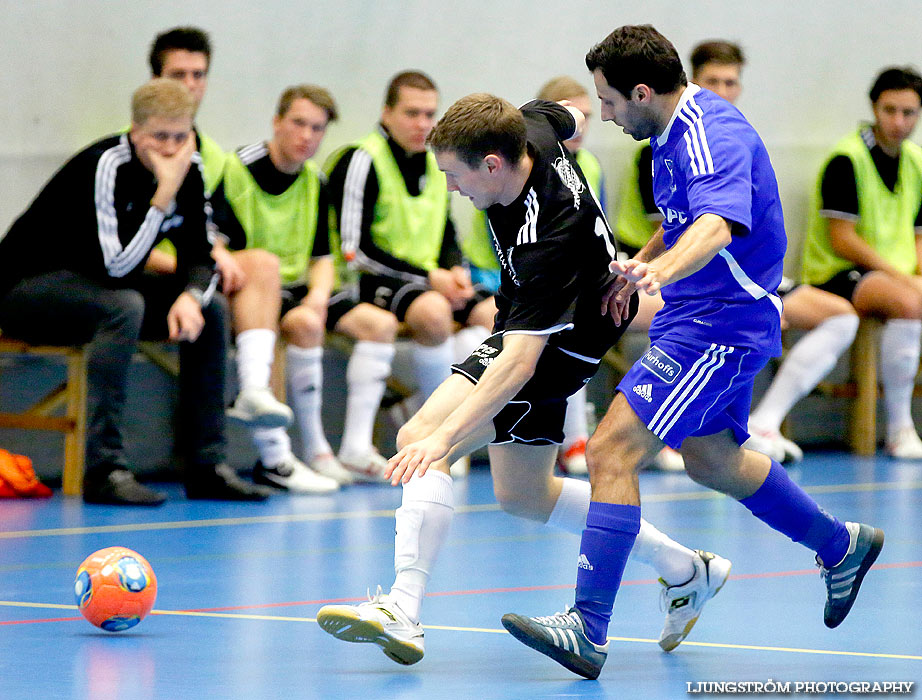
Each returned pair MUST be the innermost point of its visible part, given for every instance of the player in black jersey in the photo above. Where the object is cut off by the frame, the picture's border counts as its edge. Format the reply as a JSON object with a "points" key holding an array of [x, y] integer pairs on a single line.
{"points": [[554, 245]]}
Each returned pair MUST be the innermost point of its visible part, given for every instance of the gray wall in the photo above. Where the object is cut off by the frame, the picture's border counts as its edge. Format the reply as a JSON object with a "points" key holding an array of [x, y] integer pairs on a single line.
{"points": [[69, 67]]}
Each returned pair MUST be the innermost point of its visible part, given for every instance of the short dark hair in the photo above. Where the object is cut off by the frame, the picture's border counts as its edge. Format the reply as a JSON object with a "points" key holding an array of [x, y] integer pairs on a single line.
{"points": [[896, 78], [178, 38], [716, 51], [478, 125], [314, 93], [635, 54], [408, 78]]}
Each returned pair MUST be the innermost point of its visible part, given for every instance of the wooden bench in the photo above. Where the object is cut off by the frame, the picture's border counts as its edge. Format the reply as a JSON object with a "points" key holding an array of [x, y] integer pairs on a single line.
{"points": [[71, 394]]}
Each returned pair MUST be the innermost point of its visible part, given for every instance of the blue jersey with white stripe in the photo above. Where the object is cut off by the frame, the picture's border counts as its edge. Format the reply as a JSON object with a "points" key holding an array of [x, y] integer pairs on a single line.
{"points": [[710, 160]]}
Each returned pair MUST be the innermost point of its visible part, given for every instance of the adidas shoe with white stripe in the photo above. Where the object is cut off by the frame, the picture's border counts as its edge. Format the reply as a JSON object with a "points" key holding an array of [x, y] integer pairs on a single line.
{"points": [[561, 637], [379, 621], [844, 579], [685, 602]]}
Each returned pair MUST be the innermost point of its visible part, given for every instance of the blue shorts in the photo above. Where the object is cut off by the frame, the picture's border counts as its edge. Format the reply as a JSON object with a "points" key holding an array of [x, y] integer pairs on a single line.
{"points": [[682, 387]]}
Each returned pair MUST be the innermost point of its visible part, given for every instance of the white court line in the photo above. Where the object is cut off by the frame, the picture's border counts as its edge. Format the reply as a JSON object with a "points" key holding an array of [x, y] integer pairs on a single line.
{"points": [[362, 514], [488, 630]]}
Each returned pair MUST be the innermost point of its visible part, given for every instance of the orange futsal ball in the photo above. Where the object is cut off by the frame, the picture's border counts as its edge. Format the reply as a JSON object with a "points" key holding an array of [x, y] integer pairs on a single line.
{"points": [[115, 588]]}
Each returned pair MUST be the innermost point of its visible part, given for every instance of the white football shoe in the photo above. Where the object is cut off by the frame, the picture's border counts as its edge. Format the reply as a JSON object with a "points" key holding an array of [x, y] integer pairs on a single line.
{"points": [[905, 444], [327, 465], [291, 474], [379, 621], [684, 603], [257, 407], [368, 467]]}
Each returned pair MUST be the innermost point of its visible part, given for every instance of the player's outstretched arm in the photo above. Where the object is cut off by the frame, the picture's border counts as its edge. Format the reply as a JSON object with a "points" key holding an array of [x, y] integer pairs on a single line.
{"points": [[694, 249], [502, 380], [617, 294]]}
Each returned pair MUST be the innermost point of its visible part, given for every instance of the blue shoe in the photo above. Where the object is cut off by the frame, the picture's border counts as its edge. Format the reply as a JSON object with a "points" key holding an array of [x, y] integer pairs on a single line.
{"points": [[844, 579], [563, 638]]}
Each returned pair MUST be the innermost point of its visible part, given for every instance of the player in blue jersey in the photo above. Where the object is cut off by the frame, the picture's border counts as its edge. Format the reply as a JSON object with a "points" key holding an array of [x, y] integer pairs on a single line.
{"points": [[717, 259]]}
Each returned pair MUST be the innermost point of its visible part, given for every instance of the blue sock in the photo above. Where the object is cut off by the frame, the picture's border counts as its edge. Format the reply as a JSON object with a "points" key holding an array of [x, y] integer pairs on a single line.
{"points": [[784, 506], [607, 540]]}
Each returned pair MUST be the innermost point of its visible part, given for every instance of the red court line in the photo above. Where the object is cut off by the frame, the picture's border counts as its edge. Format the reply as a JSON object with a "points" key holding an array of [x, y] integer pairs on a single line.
{"points": [[478, 591], [525, 589], [47, 619]]}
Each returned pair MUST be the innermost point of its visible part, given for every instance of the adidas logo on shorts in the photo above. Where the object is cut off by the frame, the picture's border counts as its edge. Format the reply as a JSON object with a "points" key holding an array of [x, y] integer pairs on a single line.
{"points": [[583, 563], [644, 391]]}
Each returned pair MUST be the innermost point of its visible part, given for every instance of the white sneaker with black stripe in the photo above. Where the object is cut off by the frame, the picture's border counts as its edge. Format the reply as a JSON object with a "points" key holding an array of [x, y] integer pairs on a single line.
{"points": [[294, 476], [685, 602]]}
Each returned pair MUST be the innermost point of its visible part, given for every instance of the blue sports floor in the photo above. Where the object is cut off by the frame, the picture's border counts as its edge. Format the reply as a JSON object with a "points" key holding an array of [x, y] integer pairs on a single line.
{"points": [[240, 585]]}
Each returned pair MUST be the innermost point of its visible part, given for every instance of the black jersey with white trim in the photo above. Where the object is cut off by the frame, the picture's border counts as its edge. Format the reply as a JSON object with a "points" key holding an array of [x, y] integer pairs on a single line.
{"points": [[94, 217], [554, 245]]}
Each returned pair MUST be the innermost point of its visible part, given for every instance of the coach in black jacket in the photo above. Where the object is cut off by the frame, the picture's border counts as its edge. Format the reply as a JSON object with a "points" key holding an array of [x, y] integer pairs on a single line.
{"points": [[72, 272]]}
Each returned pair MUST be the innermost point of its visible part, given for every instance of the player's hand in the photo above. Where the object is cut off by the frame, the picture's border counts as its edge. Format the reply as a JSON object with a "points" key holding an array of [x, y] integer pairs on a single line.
{"points": [[645, 277], [185, 320], [232, 275], [463, 280], [444, 282], [616, 299], [171, 170], [416, 458]]}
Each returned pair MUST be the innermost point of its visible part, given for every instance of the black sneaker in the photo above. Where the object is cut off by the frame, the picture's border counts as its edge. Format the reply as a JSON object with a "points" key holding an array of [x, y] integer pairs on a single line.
{"points": [[120, 488], [844, 579], [220, 482]]}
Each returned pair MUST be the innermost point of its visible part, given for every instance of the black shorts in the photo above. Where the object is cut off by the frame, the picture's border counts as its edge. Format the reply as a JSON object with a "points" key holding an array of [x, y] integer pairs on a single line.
{"points": [[536, 414], [339, 305], [396, 295], [843, 284]]}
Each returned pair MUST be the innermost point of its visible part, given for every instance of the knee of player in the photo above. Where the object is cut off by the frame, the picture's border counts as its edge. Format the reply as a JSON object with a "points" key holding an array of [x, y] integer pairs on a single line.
{"points": [[511, 500], [430, 318], [374, 324], [483, 314], [126, 309], [259, 264], [302, 327], [910, 306], [410, 432], [604, 452]]}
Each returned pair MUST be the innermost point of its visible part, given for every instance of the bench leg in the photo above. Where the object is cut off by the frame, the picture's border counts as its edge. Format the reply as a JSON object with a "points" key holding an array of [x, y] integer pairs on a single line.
{"points": [[864, 410], [75, 438]]}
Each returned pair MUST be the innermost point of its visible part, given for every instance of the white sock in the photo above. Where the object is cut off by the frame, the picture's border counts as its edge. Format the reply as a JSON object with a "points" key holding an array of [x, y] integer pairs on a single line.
{"points": [[431, 364], [671, 561], [366, 373], [305, 392], [572, 506], [899, 362], [574, 426], [811, 359], [255, 353], [272, 444], [467, 340], [423, 521]]}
